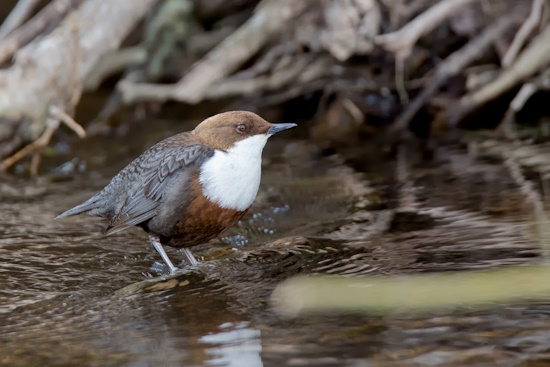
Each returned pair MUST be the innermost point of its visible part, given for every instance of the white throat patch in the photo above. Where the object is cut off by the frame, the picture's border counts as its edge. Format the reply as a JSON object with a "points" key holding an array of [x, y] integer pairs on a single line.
{"points": [[231, 179]]}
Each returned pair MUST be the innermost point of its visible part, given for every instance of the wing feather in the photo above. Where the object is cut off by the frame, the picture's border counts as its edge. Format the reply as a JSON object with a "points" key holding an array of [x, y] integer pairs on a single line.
{"points": [[145, 196]]}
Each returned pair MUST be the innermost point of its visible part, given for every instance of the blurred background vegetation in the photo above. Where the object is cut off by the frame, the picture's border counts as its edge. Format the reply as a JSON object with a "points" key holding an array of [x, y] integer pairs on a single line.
{"points": [[346, 69]]}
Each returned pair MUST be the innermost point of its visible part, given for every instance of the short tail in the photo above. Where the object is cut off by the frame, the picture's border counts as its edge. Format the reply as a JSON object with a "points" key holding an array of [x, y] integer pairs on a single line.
{"points": [[86, 206]]}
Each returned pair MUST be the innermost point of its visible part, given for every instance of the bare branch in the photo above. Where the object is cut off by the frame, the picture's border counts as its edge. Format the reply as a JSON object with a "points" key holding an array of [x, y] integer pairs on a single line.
{"points": [[455, 62], [37, 145], [18, 16], [525, 30], [59, 114], [302, 69], [402, 41], [529, 62], [525, 93], [52, 13], [270, 17], [113, 62]]}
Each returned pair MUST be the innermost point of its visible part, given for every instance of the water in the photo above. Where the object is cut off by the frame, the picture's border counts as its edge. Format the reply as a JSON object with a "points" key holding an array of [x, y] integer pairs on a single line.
{"points": [[61, 302]]}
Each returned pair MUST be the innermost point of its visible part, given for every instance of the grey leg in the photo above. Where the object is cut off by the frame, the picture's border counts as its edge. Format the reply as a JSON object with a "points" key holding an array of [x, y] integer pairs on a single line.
{"points": [[190, 258], [158, 246]]}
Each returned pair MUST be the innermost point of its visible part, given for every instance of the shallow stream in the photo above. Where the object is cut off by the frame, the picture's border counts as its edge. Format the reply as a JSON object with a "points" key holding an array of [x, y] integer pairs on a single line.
{"points": [[358, 211]]}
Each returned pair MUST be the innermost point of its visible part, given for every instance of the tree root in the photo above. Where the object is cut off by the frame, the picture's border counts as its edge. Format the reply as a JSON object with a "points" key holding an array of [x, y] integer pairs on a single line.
{"points": [[270, 17], [50, 70], [302, 69], [402, 42], [17, 16], [285, 49], [53, 13], [524, 31], [542, 82], [530, 61], [453, 64], [112, 63]]}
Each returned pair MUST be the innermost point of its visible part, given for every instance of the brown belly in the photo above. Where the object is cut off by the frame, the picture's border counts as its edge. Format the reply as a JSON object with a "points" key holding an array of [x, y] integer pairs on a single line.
{"points": [[204, 220], [188, 218]]}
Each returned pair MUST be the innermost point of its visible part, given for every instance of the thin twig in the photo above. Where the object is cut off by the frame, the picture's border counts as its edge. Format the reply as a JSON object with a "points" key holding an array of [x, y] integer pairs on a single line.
{"points": [[302, 70], [402, 41], [44, 139], [112, 63], [53, 13], [53, 121], [270, 17], [453, 64], [524, 31], [58, 114], [354, 111], [525, 93], [411, 9], [51, 126], [19, 14], [531, 60], [400, 81]]}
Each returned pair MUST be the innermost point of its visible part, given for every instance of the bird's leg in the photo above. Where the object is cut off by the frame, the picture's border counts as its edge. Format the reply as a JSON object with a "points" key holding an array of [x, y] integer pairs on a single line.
{"points": [[155, 241], [190, 258]]}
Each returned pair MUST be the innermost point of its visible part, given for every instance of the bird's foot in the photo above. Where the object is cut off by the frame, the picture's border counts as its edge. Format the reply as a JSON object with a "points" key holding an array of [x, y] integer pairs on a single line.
{"points": [[158, 246], [189, 257]]}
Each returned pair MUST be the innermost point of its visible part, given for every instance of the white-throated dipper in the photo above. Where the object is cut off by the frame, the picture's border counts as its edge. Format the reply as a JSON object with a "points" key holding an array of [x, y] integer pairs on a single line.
{"points": [[190, 187]]}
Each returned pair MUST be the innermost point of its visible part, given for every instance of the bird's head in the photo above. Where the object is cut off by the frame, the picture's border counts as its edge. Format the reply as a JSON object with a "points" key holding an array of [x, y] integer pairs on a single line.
{"points": [[226, 131]]}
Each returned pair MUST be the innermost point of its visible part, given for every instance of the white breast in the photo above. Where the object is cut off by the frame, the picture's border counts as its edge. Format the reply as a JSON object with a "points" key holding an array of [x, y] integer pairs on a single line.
{"points": [[231, 179]]}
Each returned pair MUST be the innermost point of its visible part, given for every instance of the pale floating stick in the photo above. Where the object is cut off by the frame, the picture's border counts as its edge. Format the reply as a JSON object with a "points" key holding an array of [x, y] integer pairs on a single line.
{"points": [[411, 293]]}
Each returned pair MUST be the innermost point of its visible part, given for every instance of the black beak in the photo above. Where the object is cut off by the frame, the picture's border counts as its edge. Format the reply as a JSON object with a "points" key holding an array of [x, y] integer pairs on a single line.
{"points": [[275, 128]]}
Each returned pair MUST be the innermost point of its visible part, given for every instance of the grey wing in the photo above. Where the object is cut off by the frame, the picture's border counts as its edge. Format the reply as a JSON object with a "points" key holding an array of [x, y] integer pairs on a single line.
{"points": [[145, 196]]}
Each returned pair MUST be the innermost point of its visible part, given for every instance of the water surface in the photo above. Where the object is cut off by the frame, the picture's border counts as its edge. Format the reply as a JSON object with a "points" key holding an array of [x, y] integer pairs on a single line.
{"points": [[60, 281]]}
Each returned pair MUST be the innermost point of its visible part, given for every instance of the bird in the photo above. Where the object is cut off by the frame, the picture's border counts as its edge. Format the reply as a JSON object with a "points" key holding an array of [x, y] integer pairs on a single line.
{"points": [[190, 187]]}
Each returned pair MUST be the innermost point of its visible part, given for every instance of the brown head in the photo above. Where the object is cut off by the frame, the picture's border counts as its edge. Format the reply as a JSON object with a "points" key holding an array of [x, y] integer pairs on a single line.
{"points": [[224, 130]]}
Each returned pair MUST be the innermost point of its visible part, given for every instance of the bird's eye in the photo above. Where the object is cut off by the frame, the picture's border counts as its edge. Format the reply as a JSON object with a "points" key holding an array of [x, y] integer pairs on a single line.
{"points": [[241, 128]]}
